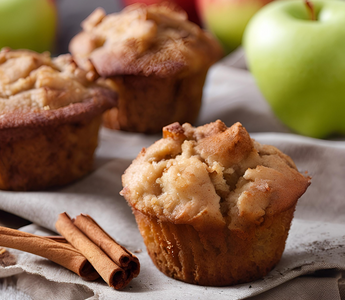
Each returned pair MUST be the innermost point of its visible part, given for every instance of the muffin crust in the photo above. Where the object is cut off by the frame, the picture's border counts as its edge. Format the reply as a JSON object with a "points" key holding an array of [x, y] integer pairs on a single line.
{"points": [[212, 176], [143, 40], [32, 82]]}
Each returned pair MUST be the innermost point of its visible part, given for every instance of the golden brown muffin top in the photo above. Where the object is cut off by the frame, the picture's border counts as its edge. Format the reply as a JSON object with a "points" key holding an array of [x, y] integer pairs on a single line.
{"points": [[32, 82], [212, 176], [143, 40]]}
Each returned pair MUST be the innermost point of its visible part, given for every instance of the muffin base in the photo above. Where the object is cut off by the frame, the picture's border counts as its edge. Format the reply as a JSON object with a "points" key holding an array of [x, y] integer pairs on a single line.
{"points": [[51, 148], [50, 156], [219, 257], [147, 104]]}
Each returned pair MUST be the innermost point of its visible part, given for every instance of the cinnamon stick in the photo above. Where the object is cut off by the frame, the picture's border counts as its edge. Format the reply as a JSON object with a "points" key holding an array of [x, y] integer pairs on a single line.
{"points": [[62, 254], [112, 274], [120, 255]]}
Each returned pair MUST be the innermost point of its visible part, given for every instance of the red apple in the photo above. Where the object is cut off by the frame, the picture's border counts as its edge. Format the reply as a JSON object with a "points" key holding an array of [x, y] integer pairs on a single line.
{"points": [[187, 5], [29, 24], [227, 19]]}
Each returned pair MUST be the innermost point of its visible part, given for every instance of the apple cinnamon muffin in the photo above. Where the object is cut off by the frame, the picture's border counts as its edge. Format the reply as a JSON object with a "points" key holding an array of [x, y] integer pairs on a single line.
{"points": [[156, 59], [49, 120], [214, 207]]}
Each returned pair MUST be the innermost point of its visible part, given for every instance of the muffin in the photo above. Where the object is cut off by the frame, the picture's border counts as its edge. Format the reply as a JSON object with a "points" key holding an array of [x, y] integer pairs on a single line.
{"points": [[153, 57], [214, 207], [49, 120]]}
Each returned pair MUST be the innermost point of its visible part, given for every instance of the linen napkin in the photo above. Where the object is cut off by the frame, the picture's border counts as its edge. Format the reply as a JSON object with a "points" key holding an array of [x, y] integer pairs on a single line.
{"points": [[312, 265]]}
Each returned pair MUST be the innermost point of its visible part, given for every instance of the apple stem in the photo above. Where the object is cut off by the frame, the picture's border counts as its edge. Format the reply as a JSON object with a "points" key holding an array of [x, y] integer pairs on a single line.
{"points": [[310, 7]]}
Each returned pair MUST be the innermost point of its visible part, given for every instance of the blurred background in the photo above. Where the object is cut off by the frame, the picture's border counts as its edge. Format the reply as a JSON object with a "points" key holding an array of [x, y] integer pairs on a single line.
{"points": [[42, 25], [72, 12], [37, 24]]}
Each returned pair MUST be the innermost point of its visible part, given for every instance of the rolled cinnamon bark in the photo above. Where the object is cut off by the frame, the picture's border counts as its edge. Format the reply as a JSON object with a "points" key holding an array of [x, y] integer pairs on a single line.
{"points": [[120, 255], [112, 274], [62, 254]]}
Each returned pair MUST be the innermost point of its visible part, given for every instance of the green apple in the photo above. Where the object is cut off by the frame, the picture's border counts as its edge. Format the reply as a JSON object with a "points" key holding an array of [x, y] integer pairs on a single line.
{"points": [[299, 63], [227, 19], [29, 24]]}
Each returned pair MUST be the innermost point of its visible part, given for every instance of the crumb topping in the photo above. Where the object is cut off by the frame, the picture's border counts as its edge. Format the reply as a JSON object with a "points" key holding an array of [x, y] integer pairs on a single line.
{"points": [[143, 40], [212, 175], [30, 81]]}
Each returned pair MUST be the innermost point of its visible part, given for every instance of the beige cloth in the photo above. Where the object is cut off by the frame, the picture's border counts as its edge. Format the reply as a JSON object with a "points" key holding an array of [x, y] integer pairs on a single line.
{"points": [[312, 264]]}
